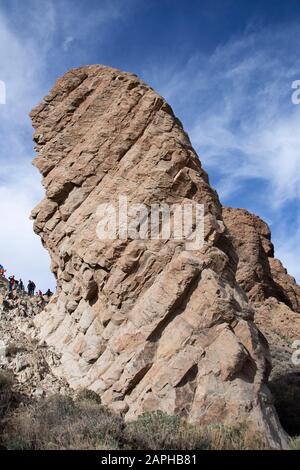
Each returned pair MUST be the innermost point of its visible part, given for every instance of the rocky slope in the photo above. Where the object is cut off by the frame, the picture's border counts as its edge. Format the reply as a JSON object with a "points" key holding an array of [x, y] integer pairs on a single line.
{"points": [[30, 361], [274, 294], [147, 324]]}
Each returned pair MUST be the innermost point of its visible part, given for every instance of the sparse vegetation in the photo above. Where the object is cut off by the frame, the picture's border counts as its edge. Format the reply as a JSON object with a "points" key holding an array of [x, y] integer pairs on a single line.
{"points": [[295, 443], [160, 431], [5, 392], [60, 422]]}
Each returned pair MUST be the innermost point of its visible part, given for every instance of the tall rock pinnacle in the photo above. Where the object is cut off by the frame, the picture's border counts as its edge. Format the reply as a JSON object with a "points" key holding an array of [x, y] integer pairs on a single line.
{"points": [[147, 324]]}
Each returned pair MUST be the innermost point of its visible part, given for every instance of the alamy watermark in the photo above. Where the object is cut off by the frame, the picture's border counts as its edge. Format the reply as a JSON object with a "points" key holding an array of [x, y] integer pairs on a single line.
{"points": [[2, 92], [124, 221], [296, 94]]}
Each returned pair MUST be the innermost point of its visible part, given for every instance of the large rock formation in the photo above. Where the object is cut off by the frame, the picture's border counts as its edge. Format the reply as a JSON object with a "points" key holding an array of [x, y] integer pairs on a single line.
{"points": [[273, 293], [147, 324]]}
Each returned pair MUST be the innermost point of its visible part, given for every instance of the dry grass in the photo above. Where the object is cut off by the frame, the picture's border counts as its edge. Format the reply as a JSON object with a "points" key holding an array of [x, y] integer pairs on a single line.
{"points": [[63, 423], [6, 381], [295, 443], [160, 431], [60, 423]]}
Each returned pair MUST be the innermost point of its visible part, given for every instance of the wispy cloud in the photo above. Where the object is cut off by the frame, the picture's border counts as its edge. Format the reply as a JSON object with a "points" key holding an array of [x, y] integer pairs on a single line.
{"points": [[240, 117], [67, 43], [21, 251], [235, 103], [30, 43]]}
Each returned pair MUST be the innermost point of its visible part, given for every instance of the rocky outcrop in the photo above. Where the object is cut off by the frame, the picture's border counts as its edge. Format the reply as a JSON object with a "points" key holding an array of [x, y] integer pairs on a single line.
{"points": [[147, 324], [259, 273], [273, 293], [29, 360]]}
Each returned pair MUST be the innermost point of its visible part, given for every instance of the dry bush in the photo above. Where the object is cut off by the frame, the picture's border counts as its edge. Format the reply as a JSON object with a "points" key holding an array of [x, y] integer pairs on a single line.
{"points": [[6, 381], [238, 437], [85, 394], [295, 443], [61, 423], [159, 431]]}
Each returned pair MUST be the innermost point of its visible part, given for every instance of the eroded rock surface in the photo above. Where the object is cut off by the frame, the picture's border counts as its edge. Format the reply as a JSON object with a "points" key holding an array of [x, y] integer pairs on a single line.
{"points": [[259, 273], [273, 293], [146, 324]]}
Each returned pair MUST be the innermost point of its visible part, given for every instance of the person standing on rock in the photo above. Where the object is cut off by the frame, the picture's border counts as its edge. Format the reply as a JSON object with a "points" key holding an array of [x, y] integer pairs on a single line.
{"points": [[21, 286], [48, 293], [11, 284], [31, 288]]}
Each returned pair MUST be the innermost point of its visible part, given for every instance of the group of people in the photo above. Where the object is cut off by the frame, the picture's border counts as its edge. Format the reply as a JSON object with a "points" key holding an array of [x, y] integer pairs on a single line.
{"points": [[17, 285], [14, 284]]}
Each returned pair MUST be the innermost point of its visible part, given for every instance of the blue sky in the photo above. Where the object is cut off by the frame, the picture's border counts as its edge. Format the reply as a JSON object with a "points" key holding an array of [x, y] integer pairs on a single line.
{"points": [[225, 66]]}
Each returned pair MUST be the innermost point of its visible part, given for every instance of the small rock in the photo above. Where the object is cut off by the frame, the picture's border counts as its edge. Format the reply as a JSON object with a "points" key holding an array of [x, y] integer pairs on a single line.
{"points": [[38, 393]]}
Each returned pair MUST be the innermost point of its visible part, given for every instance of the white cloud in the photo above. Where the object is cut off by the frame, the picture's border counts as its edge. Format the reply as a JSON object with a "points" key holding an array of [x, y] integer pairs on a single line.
{"points": [[240, 117], [22, 65], [67, 43], [28, 40], [236, 104], [21, 251]]}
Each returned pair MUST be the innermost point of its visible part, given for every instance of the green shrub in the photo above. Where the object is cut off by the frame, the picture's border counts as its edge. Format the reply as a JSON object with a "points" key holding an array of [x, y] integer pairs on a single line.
{"points": [[88, 395]]}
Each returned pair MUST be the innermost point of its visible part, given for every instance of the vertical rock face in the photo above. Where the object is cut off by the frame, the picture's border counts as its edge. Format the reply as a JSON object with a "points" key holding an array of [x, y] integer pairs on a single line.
{"points": [[274, 294], [259, 273], [147, 324]]}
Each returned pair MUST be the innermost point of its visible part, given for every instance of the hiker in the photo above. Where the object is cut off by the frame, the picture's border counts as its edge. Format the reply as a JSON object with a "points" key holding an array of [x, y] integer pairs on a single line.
{"points": [[21, 286], [48, 293], [31, 288], [39, 293], [11, 284]]}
